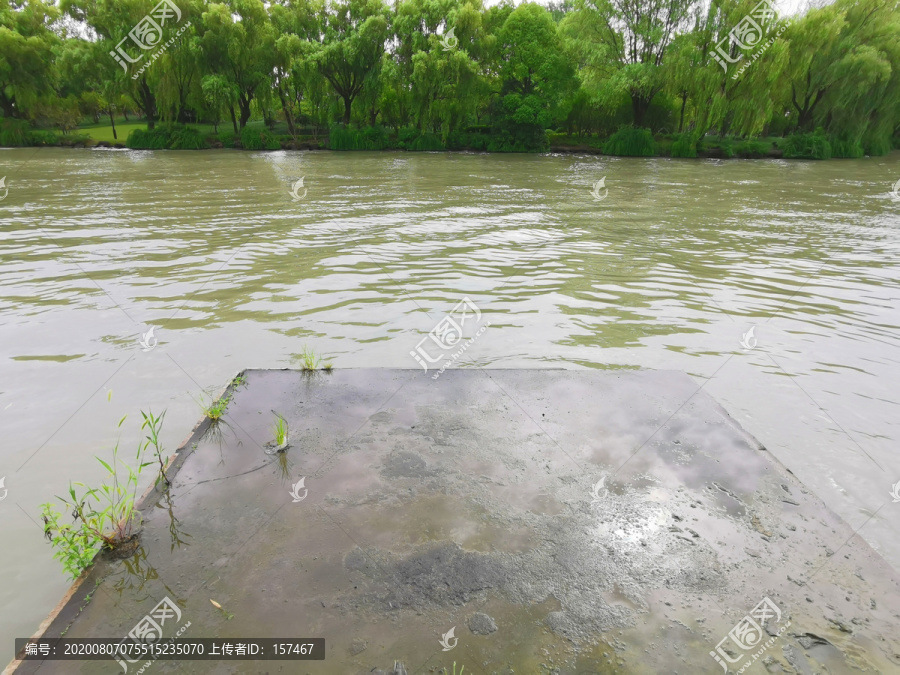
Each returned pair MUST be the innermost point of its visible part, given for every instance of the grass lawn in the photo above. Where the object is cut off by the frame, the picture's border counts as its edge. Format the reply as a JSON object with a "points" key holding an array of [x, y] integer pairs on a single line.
{"points": [[102, 131]]}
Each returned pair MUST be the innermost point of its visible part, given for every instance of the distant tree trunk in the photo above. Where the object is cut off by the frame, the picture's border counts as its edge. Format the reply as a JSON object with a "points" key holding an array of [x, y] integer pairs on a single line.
{"points": [[347, 103], [684, 98], [112, 119], [233, 120], [6, 103], [125, 112], [639, 106], [147, 102], [287, 114], [244, 104]]}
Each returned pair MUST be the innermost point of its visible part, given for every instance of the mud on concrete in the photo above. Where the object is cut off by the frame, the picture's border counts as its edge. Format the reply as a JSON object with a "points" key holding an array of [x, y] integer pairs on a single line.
{"points": [[549, 521]]}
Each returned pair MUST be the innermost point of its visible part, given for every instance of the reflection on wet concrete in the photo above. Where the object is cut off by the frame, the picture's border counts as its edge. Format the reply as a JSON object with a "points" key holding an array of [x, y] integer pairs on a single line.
{"points": [[558, 522]]}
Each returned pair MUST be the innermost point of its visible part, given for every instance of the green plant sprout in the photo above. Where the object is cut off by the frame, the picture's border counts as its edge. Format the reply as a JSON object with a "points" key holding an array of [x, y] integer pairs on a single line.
{"points": [[214, 410], [281, 431], [309, 360], [461, 669], [155, 426]]}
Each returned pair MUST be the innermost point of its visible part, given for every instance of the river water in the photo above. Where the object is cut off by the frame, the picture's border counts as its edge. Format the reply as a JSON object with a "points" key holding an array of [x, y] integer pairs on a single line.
{"points": [[667, 266]]}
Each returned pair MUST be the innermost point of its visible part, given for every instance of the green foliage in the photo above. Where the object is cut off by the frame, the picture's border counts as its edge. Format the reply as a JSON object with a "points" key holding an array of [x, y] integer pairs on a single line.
{"points": [[851, 149], [807, 146], [255, 138], [411, 139], [876, 145], [13, 133], [631, 142], [726, 147], [751, 149], [515, 71], [187, 138], [215, 409], [148, 139], [684, 145], [104, 517], [227, 139], [348, 138], [43, 138], [71, 140]]}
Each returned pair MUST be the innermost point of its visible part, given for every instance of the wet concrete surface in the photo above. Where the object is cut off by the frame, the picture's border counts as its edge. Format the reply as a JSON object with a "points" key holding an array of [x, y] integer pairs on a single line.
{"points": [[565, 522]]}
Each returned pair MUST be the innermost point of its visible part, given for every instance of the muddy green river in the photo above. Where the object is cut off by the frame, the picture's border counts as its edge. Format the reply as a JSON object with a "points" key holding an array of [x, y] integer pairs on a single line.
{"points": [[234, 264]]}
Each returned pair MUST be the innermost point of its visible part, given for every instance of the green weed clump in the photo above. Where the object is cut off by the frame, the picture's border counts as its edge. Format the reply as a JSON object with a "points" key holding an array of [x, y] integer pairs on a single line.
{"points": [[349, 138], [188, 138], [848, 149], [14, 133], [876, 145], [104, 517], [426, 142], [227, 138], [215, 409], [631, 142], [148, 139], [684, 145], [43, 138], [310, 361], [167, 137], [751, 149], [259, 139], [807, 146], [281, 431]]}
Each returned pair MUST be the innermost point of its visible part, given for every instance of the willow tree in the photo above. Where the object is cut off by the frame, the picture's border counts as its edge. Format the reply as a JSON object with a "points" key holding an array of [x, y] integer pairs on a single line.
{"points": [[26, 54], [844, 70], [238, 42], [534, 70], [351, 47], [621, 46]]}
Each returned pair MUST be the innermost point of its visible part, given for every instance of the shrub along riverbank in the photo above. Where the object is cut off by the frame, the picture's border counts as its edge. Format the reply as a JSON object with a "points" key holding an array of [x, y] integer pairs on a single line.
{"points": [[626, 142]]}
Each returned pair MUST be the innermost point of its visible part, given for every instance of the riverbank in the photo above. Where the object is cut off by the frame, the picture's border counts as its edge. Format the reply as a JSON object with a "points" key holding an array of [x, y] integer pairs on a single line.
{"points": [[508, 520], [627, 142]]}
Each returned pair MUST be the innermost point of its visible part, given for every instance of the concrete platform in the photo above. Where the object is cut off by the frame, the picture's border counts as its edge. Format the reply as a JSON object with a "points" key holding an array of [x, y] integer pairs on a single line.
{"points": [[563, 522]]}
